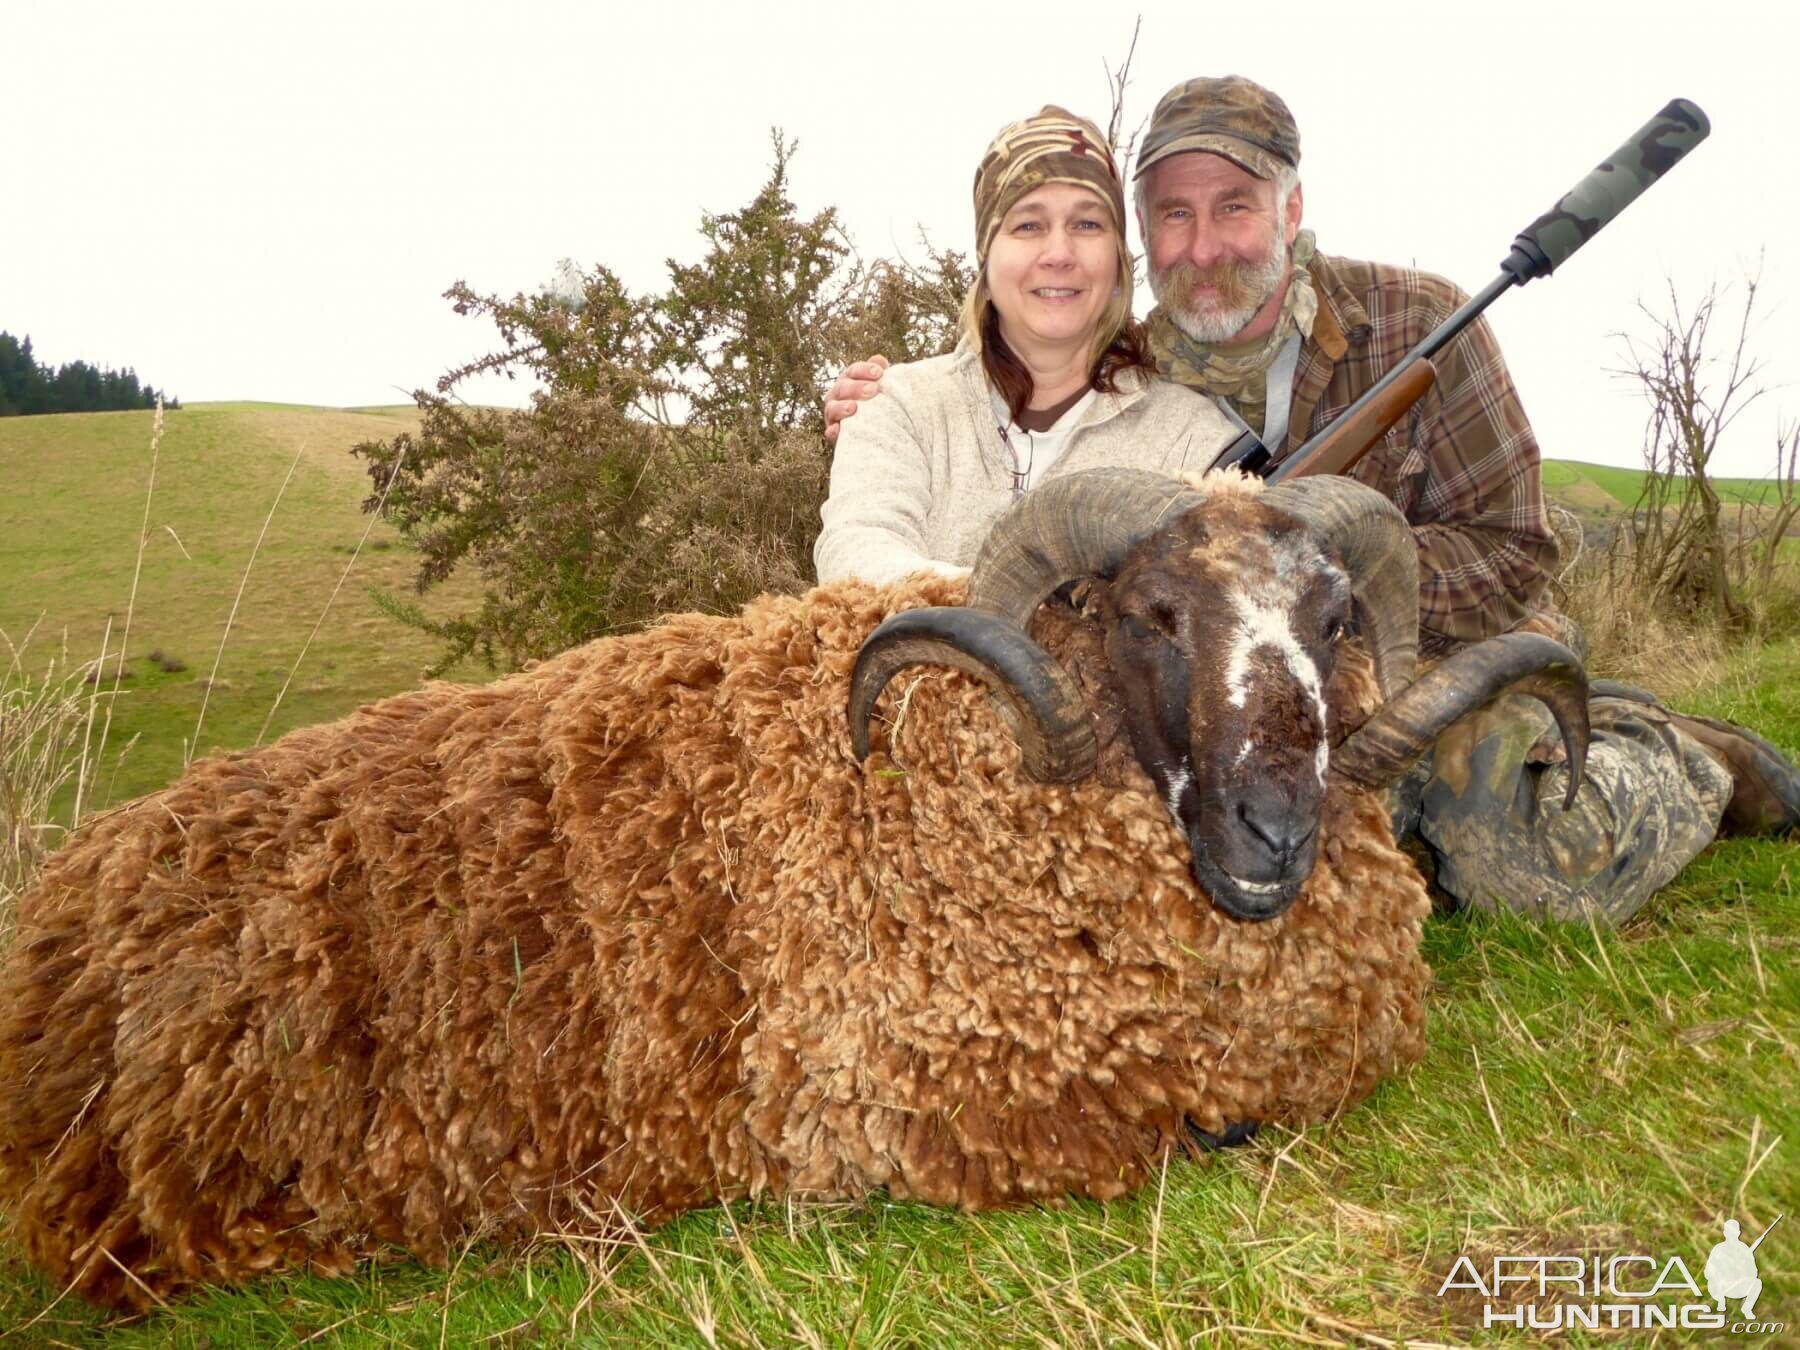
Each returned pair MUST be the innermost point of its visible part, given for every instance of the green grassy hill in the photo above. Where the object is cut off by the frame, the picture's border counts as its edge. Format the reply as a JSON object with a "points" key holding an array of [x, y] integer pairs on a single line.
{"points": [[1604, 487], [70, 515], [69, 521]]}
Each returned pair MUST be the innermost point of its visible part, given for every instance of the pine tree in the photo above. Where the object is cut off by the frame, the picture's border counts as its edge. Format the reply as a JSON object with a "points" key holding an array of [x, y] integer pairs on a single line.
{"points": [[10, 380], [33, 390], [28, 388]]}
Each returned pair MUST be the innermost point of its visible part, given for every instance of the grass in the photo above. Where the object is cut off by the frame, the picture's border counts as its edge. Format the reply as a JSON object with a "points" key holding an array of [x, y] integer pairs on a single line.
{"points": [[1583, 1092], [1605, 487], [68, 543], [43, 717]]}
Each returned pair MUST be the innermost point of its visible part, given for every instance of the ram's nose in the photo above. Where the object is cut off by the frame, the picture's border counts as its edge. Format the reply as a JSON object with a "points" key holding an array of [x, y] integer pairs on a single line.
{"points": [[1279, 824]]}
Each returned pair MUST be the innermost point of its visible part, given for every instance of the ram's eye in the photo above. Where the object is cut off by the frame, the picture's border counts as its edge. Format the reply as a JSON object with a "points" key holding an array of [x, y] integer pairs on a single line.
{"points": [[1156, 622], [1334, 629]]}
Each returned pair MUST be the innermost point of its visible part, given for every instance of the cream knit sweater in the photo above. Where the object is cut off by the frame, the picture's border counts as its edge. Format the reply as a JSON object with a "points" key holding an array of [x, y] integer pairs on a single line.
{"points": [[921, 473]]}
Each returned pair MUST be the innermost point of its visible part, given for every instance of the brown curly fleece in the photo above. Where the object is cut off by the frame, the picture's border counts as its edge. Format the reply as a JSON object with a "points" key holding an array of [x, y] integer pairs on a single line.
{"points": [[633, 927]]}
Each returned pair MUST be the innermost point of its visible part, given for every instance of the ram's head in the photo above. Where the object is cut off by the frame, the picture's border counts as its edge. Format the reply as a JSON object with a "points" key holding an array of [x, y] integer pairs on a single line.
{"points": [[1223, 615]]}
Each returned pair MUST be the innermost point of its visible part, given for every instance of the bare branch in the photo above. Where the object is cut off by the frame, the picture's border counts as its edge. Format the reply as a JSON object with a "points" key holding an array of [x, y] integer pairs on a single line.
{"points": [[1116, 81], [1682, 549]]}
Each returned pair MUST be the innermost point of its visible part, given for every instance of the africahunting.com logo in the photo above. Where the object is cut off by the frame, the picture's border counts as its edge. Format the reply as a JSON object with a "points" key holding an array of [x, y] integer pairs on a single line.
{"points": [[1549, 1293]]}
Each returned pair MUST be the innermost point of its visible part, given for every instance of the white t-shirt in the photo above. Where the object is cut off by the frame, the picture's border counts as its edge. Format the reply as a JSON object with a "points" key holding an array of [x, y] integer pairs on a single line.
{"points": [[1039, 449]]}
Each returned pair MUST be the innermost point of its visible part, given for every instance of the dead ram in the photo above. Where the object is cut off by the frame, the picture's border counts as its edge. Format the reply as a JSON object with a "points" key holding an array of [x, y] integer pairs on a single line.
{"points": [[634, 930]]}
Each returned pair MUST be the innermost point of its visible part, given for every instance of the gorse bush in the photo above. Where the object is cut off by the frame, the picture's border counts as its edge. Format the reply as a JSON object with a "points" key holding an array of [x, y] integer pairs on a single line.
{"points": [[672, 459]]}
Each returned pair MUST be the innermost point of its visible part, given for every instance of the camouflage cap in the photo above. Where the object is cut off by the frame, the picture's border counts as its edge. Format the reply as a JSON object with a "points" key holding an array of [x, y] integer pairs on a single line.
{"points": [[1232, 116], [1055, 146]]}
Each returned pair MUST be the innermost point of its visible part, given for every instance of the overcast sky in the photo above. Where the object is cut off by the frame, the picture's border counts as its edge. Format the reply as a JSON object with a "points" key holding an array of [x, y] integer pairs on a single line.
{"points": [[253, 202]]}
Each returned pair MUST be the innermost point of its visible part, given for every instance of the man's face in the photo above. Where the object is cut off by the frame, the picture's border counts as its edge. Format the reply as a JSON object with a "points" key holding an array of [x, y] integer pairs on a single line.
{"points": [[1218, 246]]}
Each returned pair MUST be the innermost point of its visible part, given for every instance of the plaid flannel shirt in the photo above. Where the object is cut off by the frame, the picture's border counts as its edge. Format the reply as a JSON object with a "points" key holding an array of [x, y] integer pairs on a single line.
{"points": [[1462, 465]]}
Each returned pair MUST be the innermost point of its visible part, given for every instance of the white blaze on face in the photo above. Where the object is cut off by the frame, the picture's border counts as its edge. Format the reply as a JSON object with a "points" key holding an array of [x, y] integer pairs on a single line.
{"points": [[1264, 609]]}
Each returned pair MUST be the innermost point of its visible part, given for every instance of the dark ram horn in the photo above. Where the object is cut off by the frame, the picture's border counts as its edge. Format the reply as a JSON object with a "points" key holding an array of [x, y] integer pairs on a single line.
{"points": [[1381, 750], [1056, 739], [1368, 532], [1079, 526]]}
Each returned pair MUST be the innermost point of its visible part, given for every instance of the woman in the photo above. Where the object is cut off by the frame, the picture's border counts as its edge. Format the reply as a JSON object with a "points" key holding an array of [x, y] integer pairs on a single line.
{"points": [[1051, 376]]}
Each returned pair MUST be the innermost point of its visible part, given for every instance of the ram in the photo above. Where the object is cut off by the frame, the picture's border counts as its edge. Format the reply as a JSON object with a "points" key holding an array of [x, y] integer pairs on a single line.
{"points": [[638, 929]]}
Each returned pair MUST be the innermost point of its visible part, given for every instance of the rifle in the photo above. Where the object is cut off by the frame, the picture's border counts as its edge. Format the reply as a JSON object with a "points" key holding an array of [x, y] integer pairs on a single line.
{"points": [[1537, 250], [1765, 1232]]}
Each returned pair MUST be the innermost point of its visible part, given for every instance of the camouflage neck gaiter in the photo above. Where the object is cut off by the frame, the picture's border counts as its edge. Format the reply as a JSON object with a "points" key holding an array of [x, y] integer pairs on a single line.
{"points": [[1236, 371]]}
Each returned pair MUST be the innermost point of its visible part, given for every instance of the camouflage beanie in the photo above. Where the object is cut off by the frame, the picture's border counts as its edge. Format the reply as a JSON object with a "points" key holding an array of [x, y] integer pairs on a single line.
{"points": [[1055, 146]]}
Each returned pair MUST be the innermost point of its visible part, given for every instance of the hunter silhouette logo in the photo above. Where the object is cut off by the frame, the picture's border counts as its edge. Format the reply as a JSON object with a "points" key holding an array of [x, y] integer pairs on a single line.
{"points": [[1731, 1269], [1622, 1291]]}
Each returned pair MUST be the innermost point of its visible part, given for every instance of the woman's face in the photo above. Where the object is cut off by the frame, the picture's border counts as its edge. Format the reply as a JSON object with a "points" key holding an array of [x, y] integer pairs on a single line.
{"points": [[1052, 269]]}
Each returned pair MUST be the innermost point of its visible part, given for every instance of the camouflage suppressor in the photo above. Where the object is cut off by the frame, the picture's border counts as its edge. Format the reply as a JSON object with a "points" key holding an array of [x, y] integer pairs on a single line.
{"points": [[1619, 180], [1538, 250]]}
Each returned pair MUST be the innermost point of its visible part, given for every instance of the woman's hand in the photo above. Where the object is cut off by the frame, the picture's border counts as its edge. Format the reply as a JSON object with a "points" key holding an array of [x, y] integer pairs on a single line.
{"points": [[858, 382]]}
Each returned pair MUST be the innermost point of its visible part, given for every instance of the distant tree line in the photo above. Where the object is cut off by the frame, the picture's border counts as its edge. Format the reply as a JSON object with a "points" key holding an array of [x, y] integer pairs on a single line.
{"points": [[28, 387]]}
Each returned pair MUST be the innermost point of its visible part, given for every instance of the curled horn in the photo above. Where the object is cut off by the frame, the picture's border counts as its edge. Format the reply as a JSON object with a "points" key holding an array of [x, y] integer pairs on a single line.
{"points": [[1050, 718], [1367, 531], [1078, 526], [1388, 744]]}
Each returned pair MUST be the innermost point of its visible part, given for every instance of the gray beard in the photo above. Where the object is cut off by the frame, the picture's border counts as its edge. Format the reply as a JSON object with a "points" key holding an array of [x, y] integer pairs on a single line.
{"points": [[1215, 324]]}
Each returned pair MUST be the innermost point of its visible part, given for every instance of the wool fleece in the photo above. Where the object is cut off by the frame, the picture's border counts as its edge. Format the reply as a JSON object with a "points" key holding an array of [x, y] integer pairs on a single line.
{"points": [[631, 931]]}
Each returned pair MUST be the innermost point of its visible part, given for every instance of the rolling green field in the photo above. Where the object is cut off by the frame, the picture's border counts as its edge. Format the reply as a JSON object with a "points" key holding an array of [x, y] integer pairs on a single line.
{"points": [[1584, 1093], [1606, 487], [70, 515]]}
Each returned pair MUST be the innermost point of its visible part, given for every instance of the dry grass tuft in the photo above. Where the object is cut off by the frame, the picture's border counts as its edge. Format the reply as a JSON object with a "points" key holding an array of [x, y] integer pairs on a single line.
{"points": [[1635, 636], [42, 720], [137, 572], [46, 731]]}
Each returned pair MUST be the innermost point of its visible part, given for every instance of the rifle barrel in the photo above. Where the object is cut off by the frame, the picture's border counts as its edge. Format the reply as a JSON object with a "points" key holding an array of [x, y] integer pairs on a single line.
{"points": [[1770, 1229], [1547, 242]]}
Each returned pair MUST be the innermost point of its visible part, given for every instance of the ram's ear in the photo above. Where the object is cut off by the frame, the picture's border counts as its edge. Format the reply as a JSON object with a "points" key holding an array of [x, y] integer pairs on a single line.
{"points": [[1089, 596], [1353, 693], [1071, 605]]}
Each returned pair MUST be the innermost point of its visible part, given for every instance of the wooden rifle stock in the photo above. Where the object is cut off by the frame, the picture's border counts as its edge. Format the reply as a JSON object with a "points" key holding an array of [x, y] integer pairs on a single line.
{"points": [[1338, 448]]}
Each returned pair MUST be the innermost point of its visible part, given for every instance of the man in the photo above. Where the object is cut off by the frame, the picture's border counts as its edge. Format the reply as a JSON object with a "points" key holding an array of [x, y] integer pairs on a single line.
{"points": [[1730, 1272], [1284, 338], [1250, 314]]}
